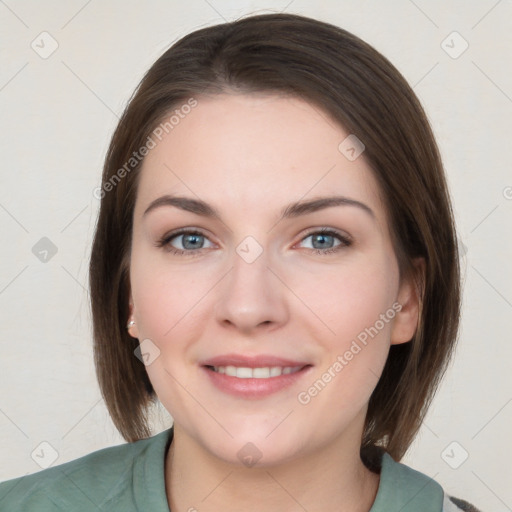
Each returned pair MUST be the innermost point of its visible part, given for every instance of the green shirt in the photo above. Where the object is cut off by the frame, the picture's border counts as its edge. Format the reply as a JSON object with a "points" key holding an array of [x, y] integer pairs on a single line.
{"points": [[130, 477]]}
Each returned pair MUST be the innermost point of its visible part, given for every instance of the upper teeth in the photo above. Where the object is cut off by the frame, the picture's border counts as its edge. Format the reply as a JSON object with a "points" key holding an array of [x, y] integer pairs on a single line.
{"points": [[256, 373]]}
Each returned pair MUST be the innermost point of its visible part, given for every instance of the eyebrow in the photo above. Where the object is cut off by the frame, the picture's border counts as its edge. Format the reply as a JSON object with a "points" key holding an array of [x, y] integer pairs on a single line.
{"points": [[292, 210]]}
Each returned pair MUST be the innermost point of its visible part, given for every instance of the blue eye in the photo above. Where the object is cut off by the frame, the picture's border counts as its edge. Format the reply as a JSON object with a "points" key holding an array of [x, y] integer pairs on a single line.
{"points": [[191, 241], [324, 241]]}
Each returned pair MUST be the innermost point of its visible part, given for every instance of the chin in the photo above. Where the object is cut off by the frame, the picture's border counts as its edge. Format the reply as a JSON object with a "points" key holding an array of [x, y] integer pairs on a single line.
{"points": [[252, 445], [251, 454]]}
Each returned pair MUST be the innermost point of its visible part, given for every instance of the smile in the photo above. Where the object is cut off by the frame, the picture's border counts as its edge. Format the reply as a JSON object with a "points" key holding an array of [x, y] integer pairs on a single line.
{"points": [[265, 372], [253, 383]]}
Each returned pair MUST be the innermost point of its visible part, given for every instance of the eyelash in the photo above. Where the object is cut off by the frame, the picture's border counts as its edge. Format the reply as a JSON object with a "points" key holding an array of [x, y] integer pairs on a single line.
{"points": [[164, 242]]}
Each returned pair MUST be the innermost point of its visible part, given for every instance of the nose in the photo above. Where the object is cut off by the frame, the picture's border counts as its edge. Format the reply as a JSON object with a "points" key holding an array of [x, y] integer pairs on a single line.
{"points": [[251, 297]]}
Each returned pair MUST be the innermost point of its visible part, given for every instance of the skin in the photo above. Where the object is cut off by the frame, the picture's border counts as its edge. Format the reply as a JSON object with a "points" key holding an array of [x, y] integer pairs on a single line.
{"points": [[249, 156]]}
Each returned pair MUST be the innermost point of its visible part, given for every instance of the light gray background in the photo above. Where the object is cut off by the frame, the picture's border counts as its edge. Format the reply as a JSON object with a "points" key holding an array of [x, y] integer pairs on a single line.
{"points": [[57, 117]]}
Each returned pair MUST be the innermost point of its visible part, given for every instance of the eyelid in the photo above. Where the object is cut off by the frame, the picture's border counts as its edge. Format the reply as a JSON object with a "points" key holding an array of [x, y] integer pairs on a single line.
{"points": [[325, 229]]}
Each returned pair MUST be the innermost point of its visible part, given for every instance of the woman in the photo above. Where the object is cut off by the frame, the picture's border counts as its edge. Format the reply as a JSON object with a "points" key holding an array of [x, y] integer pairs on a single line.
{"points": [[275, 261]]}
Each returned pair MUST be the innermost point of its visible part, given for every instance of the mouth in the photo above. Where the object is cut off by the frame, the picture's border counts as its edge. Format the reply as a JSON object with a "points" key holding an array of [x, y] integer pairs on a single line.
{"points": [[264, 372], [255, 380]]}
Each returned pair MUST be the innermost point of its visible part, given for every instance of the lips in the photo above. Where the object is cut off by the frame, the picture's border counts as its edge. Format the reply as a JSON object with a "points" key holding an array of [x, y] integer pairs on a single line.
{"points": [[253, 377], [256, 361]]}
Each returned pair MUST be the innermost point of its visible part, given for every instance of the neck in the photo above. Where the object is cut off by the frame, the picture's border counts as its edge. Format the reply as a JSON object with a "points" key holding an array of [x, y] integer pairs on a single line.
{"points": [[332, 477]]}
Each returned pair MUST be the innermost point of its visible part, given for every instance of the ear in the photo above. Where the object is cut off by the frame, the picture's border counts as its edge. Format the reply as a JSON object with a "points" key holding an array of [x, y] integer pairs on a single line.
{"points": [[133, 331], [410, 297]]}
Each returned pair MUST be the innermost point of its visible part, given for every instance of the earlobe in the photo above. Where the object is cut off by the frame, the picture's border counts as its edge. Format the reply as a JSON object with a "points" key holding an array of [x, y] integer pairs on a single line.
{"points": [[132, 329], [410, 299]]}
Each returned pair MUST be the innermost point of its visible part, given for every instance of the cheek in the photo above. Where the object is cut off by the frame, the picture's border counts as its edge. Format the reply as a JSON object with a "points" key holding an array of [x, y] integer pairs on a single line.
{"points": [[353, 329], [166, 301], [355, 308], [349, 299], [164, 296]]}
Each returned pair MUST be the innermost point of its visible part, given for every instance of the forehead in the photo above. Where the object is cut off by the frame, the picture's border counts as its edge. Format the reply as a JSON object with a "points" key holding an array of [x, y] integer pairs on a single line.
{"points": [[254, 150]]}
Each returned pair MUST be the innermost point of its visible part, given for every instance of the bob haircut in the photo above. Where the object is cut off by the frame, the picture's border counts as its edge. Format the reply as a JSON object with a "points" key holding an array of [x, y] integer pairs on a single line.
{"points": [[362, 91]]}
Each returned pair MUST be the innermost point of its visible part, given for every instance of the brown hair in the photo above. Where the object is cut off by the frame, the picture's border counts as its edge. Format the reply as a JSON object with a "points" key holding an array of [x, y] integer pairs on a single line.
{"points": [[357, 86]]}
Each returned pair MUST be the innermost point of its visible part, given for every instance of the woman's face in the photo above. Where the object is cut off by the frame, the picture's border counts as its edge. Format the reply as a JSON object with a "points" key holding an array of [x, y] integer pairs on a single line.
{"points": [[254, 283]]}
